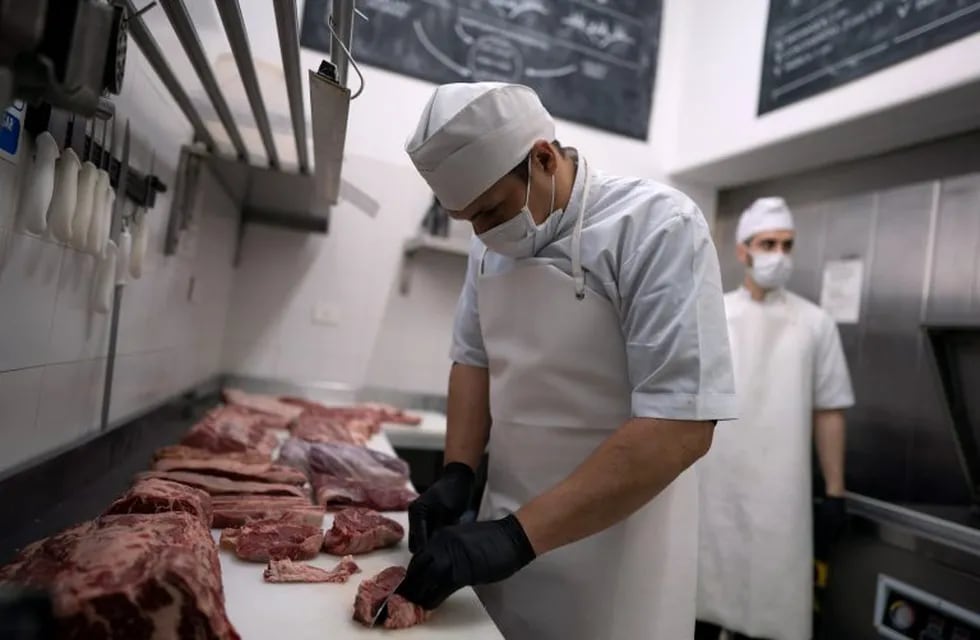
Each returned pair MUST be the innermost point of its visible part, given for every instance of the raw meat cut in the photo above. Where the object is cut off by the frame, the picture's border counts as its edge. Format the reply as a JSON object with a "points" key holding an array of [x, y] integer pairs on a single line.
{"points": [[160, 496], [217, 486], [236, 510], [227, 429], [262, 403], [181, 452], [357, 531], [289, 571], [129, 576], [315, 428], [264, 540], [336, 493], [234, 470], [372, 592], [344, 461], [374, 411]]}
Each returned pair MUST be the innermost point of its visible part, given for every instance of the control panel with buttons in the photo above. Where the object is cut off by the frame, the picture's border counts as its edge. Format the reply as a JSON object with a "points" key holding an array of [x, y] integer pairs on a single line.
{"points": [[904, 612]]}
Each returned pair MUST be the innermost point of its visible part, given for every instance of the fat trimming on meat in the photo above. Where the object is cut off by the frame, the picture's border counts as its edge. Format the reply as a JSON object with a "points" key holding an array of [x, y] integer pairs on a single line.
{"points": [[282, 571]]}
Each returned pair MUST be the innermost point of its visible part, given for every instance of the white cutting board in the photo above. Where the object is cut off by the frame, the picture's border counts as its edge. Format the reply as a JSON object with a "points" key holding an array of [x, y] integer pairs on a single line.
{"points": [[262, 611], [429, 435]]}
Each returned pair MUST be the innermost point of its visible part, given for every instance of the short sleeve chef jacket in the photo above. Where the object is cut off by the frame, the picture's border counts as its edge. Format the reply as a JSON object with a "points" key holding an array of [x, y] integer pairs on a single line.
{"points": [[647, 249]]}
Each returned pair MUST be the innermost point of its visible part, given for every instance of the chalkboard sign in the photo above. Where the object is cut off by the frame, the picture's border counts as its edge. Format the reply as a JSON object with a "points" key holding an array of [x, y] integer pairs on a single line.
{"points": [[815, 45], [591, 61]]}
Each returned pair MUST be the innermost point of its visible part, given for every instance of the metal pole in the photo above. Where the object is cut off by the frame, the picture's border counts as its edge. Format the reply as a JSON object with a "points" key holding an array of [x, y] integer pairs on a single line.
{"points": [[342, 15], [118, 205], [180, 19], [148, 45], [231, 18], [289, 47]]}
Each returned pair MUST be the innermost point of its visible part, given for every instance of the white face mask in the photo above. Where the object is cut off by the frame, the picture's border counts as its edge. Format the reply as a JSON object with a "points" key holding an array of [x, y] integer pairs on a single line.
{"points": [[771, 270], [517, 237]]}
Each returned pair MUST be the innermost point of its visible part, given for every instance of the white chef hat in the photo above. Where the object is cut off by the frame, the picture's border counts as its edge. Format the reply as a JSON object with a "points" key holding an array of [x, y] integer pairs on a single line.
{"points": [[471, 134], [765, 214]]}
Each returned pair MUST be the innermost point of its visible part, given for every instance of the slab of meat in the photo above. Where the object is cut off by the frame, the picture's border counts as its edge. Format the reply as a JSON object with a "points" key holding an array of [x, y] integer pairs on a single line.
{"points": [[371, 593], [374, 411], [358, 530], [264, 540], [182, 452], [154, 495], [262, 403], [217, 486], [289, 571], [344, 461], [129, 576], [234, 470], [316, 428], [227, 429], [236, 510], [336, 493]]}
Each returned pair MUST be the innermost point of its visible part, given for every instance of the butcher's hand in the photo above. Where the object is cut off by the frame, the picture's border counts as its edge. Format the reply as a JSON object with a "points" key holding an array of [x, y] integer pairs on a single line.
{"points": [[441, 505], [464, 555]]}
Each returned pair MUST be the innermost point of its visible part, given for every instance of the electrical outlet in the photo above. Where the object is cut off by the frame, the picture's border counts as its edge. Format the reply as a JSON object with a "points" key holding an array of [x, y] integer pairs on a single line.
{"points": [[326, 314]]}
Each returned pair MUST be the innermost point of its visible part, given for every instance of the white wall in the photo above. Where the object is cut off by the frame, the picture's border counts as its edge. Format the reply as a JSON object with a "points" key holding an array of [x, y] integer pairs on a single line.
{"points": [[383, 338], [719, 92], [53, 348]]}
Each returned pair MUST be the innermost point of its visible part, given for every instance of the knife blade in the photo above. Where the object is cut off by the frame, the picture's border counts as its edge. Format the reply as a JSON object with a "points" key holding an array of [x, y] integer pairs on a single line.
{"points": [[382, 613]]}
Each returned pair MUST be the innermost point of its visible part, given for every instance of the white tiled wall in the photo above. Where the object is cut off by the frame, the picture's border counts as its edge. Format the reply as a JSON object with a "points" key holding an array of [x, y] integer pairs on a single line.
{"points": [[53, 347], [284, 276]]}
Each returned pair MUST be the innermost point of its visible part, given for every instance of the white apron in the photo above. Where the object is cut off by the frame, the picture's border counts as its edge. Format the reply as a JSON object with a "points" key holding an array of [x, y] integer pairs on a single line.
{"points": [[755, 561], [558, 388]]}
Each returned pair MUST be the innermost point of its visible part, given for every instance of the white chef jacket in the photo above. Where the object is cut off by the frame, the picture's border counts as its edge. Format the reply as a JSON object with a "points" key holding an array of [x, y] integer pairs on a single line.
{"points": [[647, 249]]}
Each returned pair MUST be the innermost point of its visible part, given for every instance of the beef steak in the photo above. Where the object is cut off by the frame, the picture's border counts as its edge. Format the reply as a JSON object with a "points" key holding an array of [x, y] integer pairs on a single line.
{"points": [[372, 592], [264, 540], [234, 470], [358, 530], [217, 486], [183, 452], [261, 403], [129, 576], [229, 430], [337, 493], [289, 571], [154, 495]]}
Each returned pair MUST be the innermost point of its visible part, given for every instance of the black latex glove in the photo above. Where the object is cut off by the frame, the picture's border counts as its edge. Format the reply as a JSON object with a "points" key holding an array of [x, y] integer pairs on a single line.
{"points": [[830, 518], [465, 555], [441, 505]]}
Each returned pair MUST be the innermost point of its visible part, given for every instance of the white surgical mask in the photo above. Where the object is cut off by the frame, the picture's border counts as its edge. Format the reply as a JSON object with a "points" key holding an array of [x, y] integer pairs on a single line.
{"points": [[771, 270], [520, 237]]}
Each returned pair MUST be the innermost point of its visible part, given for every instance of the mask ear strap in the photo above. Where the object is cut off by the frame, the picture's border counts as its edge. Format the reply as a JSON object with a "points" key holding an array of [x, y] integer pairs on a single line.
{"points": [[527, 192]]}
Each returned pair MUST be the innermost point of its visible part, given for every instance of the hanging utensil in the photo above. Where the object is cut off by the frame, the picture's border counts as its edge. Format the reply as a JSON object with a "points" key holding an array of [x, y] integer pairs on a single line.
{"points": [[141, 233], [125, 247], [98, 229], [82, 217], [65, 195], [38, 185]]}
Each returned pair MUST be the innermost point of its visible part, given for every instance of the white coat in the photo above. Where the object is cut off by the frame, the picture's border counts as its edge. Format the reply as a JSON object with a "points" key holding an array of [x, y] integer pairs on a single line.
{"points": [[561, 381], [756, 549]]}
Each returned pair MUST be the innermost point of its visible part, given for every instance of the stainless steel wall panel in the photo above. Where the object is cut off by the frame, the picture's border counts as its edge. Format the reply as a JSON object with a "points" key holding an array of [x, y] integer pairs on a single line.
{"points": [[953, 295]]}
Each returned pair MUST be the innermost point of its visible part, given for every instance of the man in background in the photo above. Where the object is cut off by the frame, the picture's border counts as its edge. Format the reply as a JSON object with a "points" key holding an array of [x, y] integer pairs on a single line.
{"points": [[755, 575]]}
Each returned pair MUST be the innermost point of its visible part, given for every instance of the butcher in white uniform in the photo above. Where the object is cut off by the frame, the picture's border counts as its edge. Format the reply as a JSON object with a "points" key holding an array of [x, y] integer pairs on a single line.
{"points": [[756, 560], [591, 357]]}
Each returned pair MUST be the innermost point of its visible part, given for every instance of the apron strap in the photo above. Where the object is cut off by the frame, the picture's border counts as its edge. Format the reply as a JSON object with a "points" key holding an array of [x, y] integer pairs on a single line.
{"points": [[578, 274]]}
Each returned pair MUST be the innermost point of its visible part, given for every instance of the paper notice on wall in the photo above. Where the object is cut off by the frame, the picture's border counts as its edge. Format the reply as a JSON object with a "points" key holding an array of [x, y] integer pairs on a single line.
{"points": [[840, 295]]}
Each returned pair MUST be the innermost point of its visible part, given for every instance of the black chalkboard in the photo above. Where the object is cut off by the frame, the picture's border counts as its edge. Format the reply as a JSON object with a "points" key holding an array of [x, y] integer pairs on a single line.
{"points": [[591, 61], [815, 45]]}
